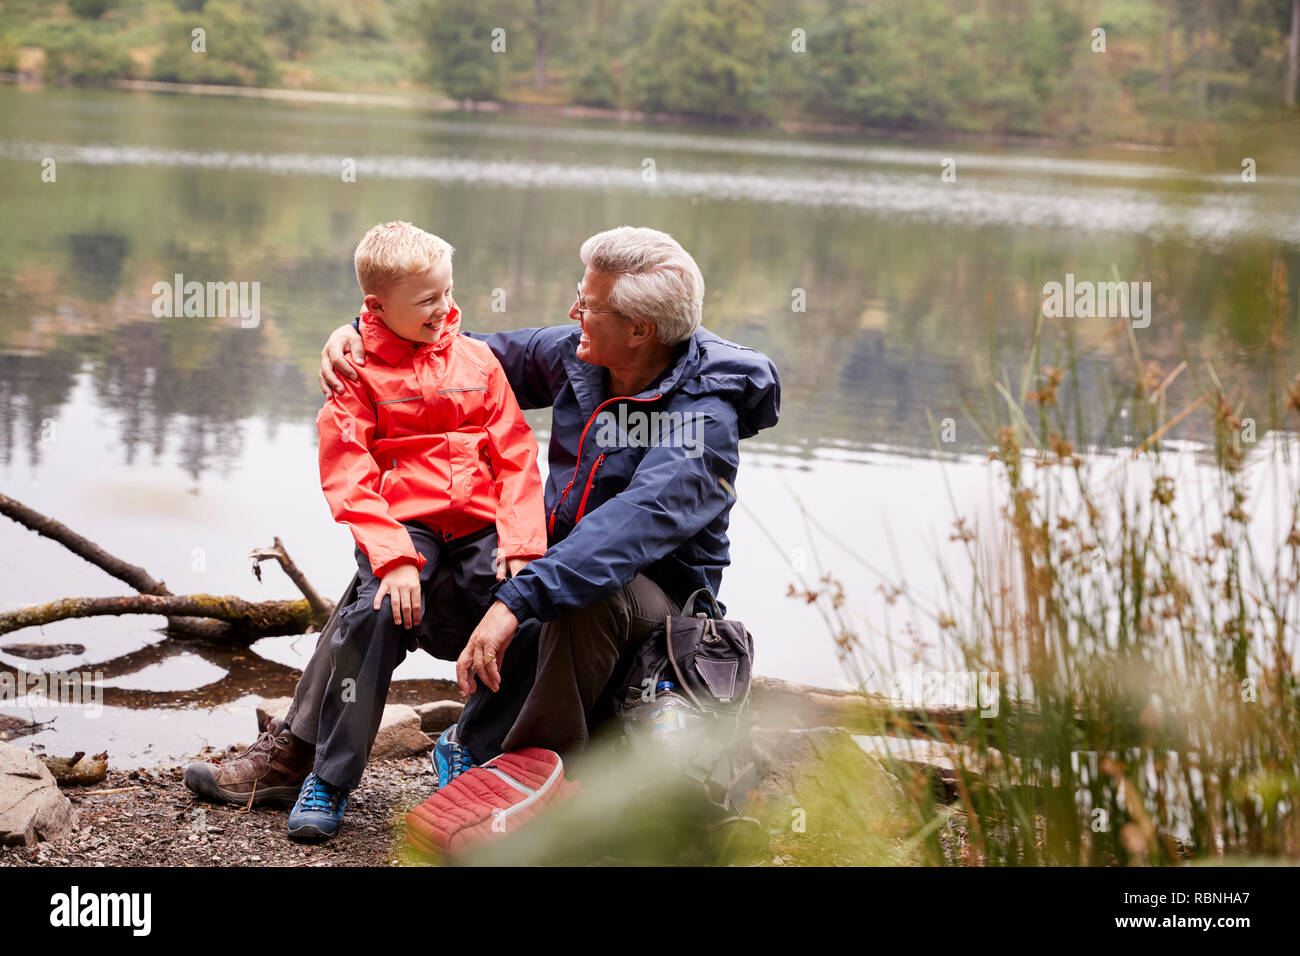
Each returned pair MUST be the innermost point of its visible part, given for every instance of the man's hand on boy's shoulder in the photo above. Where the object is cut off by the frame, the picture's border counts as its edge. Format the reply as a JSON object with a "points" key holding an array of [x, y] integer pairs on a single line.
{"points": [[402, 585], [513, 565], [343, 341]]}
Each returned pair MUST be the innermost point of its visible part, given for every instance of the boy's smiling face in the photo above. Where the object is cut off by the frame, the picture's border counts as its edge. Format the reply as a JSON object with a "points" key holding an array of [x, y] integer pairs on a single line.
{"points": [[414, 307]]}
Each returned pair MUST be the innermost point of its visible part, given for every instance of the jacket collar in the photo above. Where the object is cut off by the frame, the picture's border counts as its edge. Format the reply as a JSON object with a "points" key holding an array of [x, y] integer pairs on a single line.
{"points": [[379, 339], [591, 382]]}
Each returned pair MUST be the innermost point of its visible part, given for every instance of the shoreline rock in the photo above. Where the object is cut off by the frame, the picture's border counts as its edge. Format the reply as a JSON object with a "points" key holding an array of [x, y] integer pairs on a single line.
{"points": [[31, 807]]}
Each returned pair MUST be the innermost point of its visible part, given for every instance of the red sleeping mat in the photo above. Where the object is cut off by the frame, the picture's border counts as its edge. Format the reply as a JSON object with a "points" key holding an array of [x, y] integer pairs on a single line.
{"points": [[486, 802]]}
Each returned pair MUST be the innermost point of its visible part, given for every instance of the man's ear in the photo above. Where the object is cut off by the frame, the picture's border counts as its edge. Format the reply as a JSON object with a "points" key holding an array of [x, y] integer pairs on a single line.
{"points": [[642, 332], [373, 304]]}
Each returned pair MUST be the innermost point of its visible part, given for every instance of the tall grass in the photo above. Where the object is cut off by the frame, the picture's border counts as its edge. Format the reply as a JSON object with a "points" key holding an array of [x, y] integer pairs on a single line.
{"points": [[1140, 607]]}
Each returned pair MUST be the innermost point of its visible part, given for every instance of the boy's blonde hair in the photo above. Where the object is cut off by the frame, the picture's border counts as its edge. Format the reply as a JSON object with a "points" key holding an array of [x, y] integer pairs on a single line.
{"points": [[392, 251]]}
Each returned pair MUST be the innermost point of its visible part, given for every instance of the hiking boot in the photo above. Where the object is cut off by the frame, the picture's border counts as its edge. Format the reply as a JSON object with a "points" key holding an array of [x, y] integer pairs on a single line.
{"points": [[269, 772], [449, 758], [319, 811]]}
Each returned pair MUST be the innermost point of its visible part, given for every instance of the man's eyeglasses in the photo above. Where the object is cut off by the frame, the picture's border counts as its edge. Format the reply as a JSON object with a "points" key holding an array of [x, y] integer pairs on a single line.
{"points": [[582, 308]]}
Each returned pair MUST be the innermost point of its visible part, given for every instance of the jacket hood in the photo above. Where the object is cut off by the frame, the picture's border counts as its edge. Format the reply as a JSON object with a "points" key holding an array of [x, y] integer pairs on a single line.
{"points": [[746, 378], [378, 336]]}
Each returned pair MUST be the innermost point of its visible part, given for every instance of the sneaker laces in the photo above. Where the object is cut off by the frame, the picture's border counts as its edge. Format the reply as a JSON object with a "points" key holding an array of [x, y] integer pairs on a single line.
{"points": [[461, 759], [319, 795]]}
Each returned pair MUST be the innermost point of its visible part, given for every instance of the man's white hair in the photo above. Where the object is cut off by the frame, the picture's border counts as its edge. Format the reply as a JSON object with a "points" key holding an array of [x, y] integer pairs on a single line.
{"points": [[656, 279]]}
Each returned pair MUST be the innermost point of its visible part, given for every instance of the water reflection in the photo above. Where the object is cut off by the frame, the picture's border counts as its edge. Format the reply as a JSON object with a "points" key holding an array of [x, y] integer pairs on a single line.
{"points": [[162, 438]]}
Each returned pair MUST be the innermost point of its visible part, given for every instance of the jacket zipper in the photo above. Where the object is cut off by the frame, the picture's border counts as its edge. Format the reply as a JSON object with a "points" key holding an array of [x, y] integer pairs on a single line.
{"points": [[550, 526], [386, 475], [533, 795], [582, 505]]}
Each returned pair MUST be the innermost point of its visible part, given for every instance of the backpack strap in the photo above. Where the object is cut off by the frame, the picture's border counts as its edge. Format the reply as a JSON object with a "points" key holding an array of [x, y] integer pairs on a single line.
{"points": [[688, 609], [672, 659]]}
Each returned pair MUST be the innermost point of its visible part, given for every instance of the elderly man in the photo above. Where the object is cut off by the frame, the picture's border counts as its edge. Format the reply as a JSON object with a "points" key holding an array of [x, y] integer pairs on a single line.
{"points": [[647, 413]]}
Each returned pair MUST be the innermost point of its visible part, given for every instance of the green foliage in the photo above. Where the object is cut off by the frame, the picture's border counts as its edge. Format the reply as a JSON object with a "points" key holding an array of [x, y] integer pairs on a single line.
{"points": [[703, 58], [91, 9], [1173, 69], [459, 37], [295, 22], [8, 55], [235, 53], [594, 86]]}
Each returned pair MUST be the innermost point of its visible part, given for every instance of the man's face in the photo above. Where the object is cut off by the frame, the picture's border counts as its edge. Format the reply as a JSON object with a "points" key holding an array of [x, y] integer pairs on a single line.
{"points": [[415, 307], [605, 334]]}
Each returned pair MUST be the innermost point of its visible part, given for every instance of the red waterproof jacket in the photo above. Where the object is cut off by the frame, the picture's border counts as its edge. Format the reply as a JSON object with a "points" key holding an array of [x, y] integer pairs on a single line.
{"points": [[429, 432]]}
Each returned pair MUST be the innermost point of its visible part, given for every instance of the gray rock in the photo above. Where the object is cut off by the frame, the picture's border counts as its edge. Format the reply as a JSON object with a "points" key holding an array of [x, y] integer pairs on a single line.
{"points": [[275, 707], [400, 734], [31, 806], [795, 764], [437, 716]]}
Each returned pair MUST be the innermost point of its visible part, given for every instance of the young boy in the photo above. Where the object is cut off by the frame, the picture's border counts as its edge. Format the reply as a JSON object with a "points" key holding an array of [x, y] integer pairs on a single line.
{"points": [[429, 461]]}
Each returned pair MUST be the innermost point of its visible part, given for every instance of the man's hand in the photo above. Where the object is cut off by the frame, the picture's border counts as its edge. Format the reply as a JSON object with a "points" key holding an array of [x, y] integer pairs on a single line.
{"points": [[402, 584], [345, 339], [486, 648], [514, 565]]}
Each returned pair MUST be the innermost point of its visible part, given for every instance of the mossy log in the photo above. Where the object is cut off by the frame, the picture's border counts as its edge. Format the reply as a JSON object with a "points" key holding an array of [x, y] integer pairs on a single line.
{"points": [[249, 620]]}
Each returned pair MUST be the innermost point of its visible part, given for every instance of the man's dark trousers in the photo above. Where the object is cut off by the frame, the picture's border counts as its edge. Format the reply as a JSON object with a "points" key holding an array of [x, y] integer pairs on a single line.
{"points": [[558, 679], [455, 590]]}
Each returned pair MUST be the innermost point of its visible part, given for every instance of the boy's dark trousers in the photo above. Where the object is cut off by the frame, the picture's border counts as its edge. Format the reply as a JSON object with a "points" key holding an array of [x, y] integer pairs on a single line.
{"points": [[455, 590]]}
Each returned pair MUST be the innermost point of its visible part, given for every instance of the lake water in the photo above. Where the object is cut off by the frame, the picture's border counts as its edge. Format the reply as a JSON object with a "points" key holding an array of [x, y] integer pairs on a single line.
{"points": [[882, 291]]}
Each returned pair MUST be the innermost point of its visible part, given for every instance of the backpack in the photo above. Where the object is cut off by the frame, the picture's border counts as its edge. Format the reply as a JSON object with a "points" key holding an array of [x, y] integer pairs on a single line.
{"points": [[710, 660]]}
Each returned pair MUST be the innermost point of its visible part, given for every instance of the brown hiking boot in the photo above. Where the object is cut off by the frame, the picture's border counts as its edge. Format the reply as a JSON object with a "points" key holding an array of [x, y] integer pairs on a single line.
{"points": [[269, 772]]}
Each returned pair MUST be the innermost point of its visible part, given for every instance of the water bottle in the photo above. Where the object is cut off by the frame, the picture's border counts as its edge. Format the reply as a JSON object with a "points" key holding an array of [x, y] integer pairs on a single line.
{"points": [[670, 717]]}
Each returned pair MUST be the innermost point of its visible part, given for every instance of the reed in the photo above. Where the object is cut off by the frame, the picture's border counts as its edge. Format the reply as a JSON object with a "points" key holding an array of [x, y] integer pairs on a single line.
{"points": [[1139, 607]]}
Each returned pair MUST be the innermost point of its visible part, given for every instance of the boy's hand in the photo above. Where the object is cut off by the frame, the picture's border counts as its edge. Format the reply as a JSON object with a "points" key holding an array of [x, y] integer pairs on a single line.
{"points": [[402, 585], [514, 565], [342, 340]]}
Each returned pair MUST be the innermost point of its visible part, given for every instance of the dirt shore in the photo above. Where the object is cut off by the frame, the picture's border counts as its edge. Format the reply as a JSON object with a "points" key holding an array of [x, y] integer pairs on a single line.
{"points": [[154, 820]]}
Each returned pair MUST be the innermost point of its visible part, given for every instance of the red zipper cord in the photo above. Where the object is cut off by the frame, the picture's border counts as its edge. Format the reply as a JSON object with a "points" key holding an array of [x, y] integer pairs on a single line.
{"points": [[550, 525], [591, 478]]}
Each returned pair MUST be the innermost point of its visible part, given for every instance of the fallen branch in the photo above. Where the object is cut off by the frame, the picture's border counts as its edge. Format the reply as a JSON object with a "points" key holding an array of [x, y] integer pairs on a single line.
{"points": [[220, 620], [137, 577], [256, 619], [319, 605]]}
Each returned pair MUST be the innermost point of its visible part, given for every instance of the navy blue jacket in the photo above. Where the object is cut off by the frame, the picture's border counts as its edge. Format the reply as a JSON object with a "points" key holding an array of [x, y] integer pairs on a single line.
{"points": [[642, 500]]}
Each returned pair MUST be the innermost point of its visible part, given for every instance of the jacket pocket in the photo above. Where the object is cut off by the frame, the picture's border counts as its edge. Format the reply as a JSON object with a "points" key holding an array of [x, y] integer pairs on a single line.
{"points": [[402, 415]]}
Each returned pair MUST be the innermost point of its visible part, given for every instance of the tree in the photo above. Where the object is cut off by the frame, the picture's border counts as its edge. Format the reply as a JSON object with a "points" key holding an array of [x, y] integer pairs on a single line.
{"points": [[460, 37], [91, 9], [234, 51], [704, 57]]}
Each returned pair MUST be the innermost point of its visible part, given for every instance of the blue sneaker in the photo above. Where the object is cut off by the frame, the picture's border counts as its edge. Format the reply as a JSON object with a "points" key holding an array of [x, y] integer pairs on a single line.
{"points": [[319, 811], [449, 758]]}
